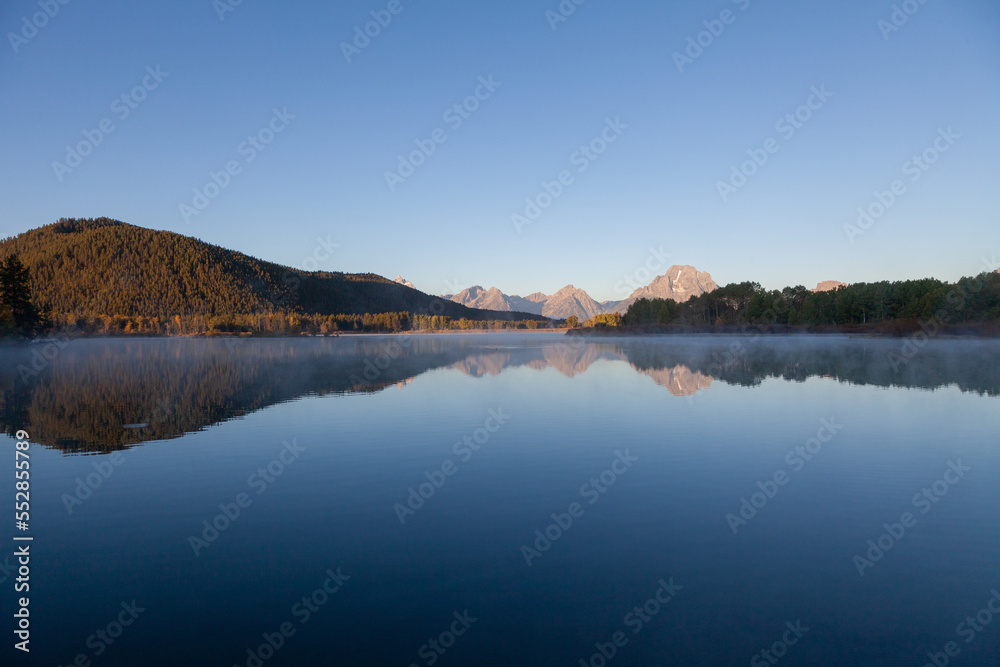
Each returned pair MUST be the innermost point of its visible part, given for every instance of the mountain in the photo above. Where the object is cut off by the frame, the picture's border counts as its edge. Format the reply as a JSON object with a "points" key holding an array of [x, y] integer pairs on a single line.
{"points": [[571, 301], [679, 283], [494, 299], [103, 267], [536, 297], [828, 285], [399, 280], [567, 301]]}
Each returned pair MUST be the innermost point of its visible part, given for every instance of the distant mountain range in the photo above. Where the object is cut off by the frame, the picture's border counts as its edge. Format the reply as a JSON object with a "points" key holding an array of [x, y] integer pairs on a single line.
{"points": [[679, 283], [567, 301]]}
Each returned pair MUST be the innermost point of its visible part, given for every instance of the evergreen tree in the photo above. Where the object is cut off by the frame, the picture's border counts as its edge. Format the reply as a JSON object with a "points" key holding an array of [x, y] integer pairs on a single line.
{"points": [[15, 297]]}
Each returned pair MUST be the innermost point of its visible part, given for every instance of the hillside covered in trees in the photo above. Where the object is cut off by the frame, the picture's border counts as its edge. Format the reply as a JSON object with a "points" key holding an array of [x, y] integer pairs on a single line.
{"points": [[107, 276], [873, 306]]}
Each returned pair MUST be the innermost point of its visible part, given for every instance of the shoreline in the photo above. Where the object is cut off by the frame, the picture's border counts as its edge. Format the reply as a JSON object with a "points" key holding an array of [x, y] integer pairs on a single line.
{"points": [[68, 336], [976, 331], [895, 329]]}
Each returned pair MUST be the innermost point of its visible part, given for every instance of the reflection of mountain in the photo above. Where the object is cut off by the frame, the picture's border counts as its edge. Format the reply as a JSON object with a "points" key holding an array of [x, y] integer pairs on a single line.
{"points": [[101, 395], [478, 365], [680, 380], [568, 360], [574, 360]]}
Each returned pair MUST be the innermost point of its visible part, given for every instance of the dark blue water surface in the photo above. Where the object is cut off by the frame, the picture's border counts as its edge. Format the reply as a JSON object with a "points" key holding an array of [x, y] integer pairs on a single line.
{"points": [[409, 475]]}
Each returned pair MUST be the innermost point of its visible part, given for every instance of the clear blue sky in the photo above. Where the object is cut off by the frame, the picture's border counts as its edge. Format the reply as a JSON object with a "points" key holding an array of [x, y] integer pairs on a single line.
{"points": [[323, 175]]}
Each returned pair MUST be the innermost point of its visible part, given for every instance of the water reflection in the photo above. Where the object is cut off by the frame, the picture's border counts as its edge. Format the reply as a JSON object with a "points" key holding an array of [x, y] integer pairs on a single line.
{"points": [[103, 395]]}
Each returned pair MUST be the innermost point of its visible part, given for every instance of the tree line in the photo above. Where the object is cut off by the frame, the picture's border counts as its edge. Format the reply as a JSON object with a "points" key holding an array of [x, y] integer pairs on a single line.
{"points": [[970, 300], [275, 324]]}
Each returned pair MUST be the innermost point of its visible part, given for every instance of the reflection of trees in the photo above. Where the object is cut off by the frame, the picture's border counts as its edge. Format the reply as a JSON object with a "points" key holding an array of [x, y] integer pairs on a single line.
{"points": [[970, 365], [101, 395], [106, 395]]}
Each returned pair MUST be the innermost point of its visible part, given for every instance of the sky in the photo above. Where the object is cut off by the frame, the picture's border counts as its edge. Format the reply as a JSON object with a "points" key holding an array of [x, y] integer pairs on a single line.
{"points": [[592, 144]]}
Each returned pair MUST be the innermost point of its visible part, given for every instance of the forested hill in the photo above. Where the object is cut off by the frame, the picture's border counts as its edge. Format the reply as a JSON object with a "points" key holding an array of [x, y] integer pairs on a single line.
{"points": [[99, 266]]}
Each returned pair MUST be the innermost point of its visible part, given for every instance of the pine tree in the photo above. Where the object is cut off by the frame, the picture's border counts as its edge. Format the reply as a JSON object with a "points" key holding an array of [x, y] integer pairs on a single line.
{"points": [[15, 296]]}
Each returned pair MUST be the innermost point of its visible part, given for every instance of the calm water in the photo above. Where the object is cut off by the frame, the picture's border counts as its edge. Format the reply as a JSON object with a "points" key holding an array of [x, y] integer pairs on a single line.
{"points": [[697, 501]]}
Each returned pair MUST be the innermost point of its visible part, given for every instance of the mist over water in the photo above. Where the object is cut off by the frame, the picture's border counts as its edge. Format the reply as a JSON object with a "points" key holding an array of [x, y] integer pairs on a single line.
{"points": [[511, 499]]}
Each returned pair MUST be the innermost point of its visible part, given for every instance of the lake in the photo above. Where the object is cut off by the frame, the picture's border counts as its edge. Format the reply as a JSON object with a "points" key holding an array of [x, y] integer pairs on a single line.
{"points": [[508, 499]]}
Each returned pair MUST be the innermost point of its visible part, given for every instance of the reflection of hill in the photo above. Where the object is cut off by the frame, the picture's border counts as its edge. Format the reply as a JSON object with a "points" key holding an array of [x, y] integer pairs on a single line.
{"points": [[101, 395]]}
